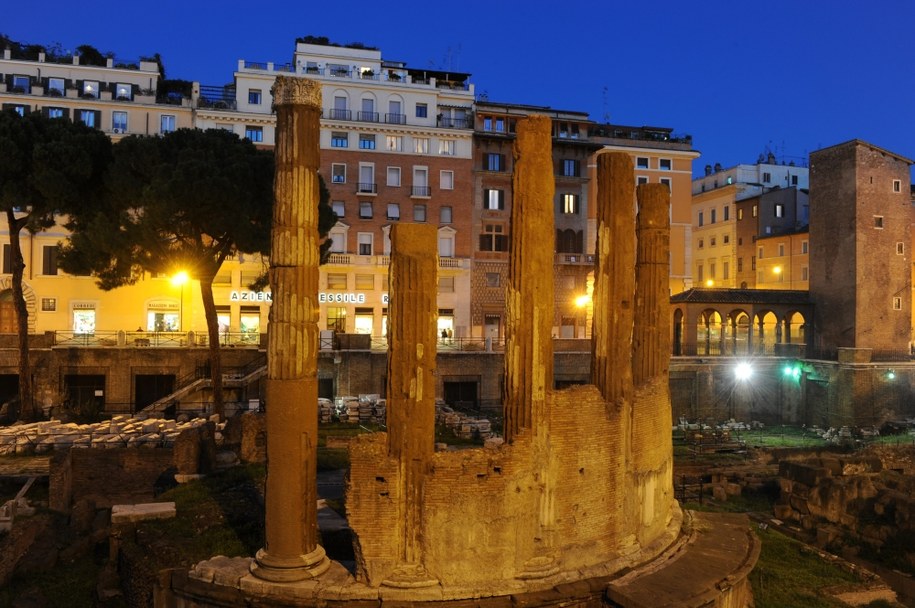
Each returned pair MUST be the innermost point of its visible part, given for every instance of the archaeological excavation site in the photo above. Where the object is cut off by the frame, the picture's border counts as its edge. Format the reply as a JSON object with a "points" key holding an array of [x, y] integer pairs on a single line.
{"points": [[575, 506]]}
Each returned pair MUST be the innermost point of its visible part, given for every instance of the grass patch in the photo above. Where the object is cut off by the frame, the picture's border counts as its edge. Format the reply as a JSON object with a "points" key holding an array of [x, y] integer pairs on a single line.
{"points": [[790, 574], [332, 459]]}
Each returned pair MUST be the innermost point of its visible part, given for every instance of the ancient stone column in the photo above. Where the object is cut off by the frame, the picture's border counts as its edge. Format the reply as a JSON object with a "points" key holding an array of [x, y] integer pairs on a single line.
{"points": [[412, 336], [651, 335], [291, 552], [614, 280], [529, 295]]}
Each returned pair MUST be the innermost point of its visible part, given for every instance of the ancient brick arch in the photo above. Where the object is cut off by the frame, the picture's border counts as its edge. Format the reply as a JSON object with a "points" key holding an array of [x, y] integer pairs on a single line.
{"points": [[6, 287]]}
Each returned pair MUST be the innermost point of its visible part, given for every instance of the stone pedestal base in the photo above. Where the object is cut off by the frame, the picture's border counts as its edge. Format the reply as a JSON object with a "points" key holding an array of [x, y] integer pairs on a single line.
{"points": [[539, 567], [289, 570], [409, 576]]}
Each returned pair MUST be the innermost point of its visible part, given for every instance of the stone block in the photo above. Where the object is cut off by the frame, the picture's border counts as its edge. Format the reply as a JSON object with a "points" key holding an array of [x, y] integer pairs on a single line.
{"points": [[253, 437], [142, 512]]}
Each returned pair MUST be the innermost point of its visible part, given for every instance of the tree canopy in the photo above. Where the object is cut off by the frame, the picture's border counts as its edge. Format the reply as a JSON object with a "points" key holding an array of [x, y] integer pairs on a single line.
{"points": [[49, 166]]}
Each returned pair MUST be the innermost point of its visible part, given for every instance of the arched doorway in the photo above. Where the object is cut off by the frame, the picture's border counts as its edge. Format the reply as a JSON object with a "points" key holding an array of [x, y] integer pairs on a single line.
{"points": [[708, 333]]}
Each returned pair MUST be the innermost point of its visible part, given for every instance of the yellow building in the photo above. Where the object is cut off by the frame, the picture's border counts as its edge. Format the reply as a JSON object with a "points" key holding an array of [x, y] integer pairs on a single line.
{"points": [[783, 261]]}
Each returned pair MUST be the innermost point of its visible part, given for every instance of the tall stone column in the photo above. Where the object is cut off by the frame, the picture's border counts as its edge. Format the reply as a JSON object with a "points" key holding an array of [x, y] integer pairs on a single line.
{"points": [[529, 295], [291, 552], [614, 280], [529, 314], [412, 336], [651, 334]]}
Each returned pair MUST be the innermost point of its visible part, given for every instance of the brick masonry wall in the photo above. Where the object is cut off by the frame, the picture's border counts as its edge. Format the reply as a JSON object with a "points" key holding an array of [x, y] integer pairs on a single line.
{"points": [[477, 517], [106, 476]]}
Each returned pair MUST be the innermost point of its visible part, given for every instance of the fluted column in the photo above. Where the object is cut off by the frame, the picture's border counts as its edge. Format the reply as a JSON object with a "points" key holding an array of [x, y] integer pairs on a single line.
{"points": [[529, 295], [614, 281], [651, 335], [412, 316], [291, 552]]}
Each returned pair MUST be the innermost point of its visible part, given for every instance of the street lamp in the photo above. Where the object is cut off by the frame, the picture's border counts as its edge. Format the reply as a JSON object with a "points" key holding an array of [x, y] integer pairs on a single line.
{"points": [[180, 279], [582, 303]]}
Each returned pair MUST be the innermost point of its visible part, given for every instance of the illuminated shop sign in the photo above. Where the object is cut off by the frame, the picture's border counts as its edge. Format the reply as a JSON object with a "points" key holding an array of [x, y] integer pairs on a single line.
{"points": [[251, 296], [341, 298]]}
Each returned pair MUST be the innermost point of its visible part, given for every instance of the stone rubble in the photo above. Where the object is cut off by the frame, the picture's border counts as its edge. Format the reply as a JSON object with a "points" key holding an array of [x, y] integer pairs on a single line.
{"points": [[372, 409], [120, 431]]}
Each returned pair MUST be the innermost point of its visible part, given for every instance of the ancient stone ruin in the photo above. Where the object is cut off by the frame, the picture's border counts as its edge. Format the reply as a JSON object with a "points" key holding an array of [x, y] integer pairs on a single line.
{"points": [[579, 492]]}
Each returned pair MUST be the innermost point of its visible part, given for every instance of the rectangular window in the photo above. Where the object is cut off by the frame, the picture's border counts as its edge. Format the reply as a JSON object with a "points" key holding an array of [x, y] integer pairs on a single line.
{"points": [[339, 208], [365, 243], [446, 285], [49, 260], [805, 273], [767, 177], [699, 274], [444, 214], [421, 182], [570, 204], [493, 279], [701, 243], [421, 145], [90, 89], [254, 97], [897, 303], [422, 110], [339, 140], [753, 262], [393, 211], [804, 247], [48, 304], [336, 280], [89, 117], [493, 162], [711, 270], [55, 87], [338, 173], [493, 238], [900, 248], [55, 112], [727, 212], [394, 176], [779, 210], [713, 216], [254, 134], [446, 147], [167, 123], [365, 210], [725, 271], [641, 180], [494, 200], [739, 214], [760, 253], [726, 239], [665, 164], [119, 122], [897, 185], [701, 219], [419, 213], [446, 180], [500, 125], [366, 142], [367, 178], [641, 162], [712, 242], [570, 168], [878, 221], [755, 210], [393, 143], [794, 180], [667, 182], [781, 249], [365, 282], [123, 91], [739, 264]]}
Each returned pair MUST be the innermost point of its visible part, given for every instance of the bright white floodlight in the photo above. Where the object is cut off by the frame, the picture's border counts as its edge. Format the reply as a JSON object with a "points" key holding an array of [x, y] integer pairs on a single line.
{"points": [[743, 371]]}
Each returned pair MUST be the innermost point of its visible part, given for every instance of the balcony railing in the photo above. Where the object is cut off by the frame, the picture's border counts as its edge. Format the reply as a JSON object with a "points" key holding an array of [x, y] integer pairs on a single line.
{"points": [[367, 116], [395, 119], [158, 339], [448, 122], [366, 188], [338, 114], [218, 98], [421, 191], [339, 258], [574, 258]]}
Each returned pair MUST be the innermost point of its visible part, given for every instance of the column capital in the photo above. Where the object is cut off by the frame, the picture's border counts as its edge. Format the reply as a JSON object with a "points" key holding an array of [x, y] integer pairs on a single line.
{"points": [[294, 90]]}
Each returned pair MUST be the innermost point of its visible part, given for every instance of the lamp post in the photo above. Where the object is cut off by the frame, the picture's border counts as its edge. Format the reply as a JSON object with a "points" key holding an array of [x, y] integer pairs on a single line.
{"points": [[180, 279]]}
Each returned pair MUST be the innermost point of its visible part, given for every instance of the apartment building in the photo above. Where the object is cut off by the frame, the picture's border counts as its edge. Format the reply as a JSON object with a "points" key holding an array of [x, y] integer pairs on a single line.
{"points": [[659, 156], [725, 228], [396, 146]]}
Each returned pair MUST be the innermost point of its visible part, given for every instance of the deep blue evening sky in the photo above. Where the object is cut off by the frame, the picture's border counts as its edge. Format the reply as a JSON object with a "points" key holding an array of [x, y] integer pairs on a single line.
{"points": [[740, 77]]}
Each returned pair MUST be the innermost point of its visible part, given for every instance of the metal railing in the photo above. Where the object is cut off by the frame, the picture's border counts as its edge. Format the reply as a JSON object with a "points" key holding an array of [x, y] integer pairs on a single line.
{"points": [[395, 119], [339, 114], [366, 188], [157, 339], [367, 116], [455, 123], [421, 191]]}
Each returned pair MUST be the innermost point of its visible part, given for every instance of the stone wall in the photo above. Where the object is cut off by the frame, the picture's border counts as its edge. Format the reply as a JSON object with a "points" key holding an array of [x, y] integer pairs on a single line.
{"points": [[106, 477]]}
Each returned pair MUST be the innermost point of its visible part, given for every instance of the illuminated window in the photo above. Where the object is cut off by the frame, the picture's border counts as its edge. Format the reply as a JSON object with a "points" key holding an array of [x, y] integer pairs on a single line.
{"points": [[570, 203], [494, 200], [339, 140], [365, 282], [119, 122], [779, 210], [446, 147], [167, 125], [421, 145], [123, 91], [393, 143], [336, 280]]}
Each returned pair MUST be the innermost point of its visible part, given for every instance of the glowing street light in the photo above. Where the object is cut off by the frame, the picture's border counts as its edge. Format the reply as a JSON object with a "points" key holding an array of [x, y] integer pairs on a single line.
{"points": [[181, 277], [709, 283], [743, 371]]}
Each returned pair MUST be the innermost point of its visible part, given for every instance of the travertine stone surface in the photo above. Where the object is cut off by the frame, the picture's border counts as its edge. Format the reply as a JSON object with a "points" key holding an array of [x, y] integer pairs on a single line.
{"points": [[291, 551], [412, 315], [614, 278], [529, 295]]}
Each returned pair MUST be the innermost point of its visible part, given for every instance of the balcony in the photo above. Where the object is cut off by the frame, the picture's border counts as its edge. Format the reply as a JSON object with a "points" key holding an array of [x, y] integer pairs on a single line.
{"points": [[574, 258], [421, 191], [395, 119], [448, 122], [367, 116], [339, 114], [366, 188]]}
